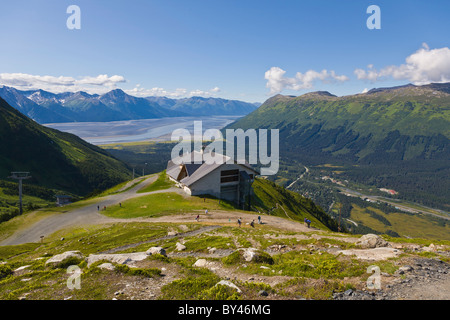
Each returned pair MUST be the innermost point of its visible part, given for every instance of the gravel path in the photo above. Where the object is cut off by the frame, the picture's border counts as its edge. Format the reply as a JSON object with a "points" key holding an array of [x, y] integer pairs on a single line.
{"points": [[80, 216]]}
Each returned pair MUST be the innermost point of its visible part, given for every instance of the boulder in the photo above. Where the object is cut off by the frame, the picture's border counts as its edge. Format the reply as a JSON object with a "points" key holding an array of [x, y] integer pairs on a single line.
{"points": [[369, 241], [180, 247], [249, 254], [255, 255], [228, 284], [200, 263], [263, 293], [156, 250], [107, 266], [119, 258], [68, 254]]}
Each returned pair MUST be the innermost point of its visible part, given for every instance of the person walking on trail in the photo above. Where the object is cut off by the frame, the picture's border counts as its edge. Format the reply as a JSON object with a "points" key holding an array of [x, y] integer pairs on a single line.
{"points": [[98, 208], [308, 222], [259, 219], [239, 222], [252, 223], [197, 218], [206, 211]]}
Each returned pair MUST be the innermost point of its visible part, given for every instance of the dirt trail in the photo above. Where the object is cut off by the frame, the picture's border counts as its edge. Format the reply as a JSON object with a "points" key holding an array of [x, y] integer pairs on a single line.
{"points": [[80, 216]]}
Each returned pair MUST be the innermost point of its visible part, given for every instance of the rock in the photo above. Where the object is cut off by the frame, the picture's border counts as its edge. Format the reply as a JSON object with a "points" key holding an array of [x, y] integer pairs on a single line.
{"points": [[107, 266], [119, 258], [370, 240], [430, 248], [255, 255], [263, 293], [68, 254], [212, 250], [22, 268], [264, 267], [229, 284], [172, 233], [406, 268], [249, 254], [156, 250], [180, 247], [348, 292], [371, 254], [202, 263]]}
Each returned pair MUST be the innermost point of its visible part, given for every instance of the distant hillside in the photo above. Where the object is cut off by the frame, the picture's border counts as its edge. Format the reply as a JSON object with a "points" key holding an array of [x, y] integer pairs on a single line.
{"points": [[46, 107], [399, 137], [55, 159], [200, 106]]}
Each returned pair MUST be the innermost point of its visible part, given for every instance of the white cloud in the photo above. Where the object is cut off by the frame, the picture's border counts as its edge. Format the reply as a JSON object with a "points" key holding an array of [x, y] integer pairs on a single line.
{"points": [[177, 93], [277, 82], [99, 84], [92, 84], [422, 67]]}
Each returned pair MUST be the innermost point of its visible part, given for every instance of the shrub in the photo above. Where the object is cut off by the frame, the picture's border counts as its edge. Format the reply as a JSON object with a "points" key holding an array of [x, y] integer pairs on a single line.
{"points": [[191, 287], [149, 273], [219, 292], [237, 257], [5, 270], [67, 262]]}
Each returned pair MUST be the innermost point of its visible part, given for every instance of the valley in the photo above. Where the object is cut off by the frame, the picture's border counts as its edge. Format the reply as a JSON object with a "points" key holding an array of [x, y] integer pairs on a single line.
{"points": [[277, 260]]}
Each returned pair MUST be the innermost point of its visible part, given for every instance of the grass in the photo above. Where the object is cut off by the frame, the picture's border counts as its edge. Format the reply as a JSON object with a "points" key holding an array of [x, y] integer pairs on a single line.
{"points": [[418, 226], [303, 264], [163, 182], [202, 242], [159, 204], [154, 205]]}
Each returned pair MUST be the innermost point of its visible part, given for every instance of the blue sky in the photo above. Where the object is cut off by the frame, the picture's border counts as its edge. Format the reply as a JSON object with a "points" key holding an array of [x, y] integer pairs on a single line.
{"points": [[246, 49]]}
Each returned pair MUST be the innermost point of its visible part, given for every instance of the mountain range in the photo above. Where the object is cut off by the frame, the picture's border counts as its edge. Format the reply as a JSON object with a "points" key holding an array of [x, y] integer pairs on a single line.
{"points": [[395, 137], [46, 107]]}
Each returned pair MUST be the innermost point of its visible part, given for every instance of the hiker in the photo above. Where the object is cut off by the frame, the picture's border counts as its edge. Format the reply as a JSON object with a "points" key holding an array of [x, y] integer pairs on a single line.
{"points": [[259, 219], [308, 222], [252, 223], [198, 218], [239, 222], [98, 208], [120, 204], [206, 211]]}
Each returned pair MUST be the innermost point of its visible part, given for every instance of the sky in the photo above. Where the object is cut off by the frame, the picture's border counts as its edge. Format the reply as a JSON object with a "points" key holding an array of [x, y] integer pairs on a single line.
{"points": [[246, 50]]}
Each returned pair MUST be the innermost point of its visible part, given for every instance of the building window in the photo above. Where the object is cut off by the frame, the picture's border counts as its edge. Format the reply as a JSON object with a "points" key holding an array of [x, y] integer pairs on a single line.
{"points": [[229, 176]]}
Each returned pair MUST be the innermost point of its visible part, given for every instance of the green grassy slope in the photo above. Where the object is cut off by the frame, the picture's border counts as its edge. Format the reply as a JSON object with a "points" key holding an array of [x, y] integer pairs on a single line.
{"points": [[272, 199], [55, 159], [398, 138]]}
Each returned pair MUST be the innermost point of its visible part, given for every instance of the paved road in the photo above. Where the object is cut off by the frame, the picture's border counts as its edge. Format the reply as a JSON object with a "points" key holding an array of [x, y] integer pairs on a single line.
{"points": [[81, 216]]}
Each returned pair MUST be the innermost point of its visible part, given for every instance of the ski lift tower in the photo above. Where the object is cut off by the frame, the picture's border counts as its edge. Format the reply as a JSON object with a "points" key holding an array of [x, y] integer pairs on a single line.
{"points": [[20, 176]]}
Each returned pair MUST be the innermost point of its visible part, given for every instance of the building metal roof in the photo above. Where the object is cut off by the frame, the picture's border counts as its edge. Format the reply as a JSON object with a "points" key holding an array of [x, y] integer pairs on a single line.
{"points": [[197, 171]]}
